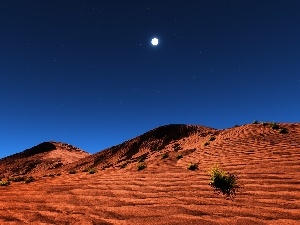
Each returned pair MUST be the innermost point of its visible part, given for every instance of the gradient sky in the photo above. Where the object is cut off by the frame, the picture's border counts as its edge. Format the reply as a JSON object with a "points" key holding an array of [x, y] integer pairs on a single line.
{"points": [[85, 72]]}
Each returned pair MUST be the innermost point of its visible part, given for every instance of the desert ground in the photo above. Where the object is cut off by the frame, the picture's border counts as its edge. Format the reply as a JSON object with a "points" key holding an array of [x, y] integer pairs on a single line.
{"points": [[265, 160]]}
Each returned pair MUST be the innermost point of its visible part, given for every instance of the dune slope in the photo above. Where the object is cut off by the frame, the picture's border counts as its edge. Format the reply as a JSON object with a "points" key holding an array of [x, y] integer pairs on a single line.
{"points": [[166, 192]]}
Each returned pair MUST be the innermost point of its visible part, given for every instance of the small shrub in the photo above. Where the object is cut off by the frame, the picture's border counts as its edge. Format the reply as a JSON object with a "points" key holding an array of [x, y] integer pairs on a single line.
{"points": [[179, 156], [51, 175], [274, 126], [72, 172], [141, 166], [92, 171], [4, 183], [192, 166], [212, 138], [165, 155], [255, 122], [206, 143], [16, 179], [236, 125], [224, 183], [264, 123], [29, 180], [85, 170], [58, 174], [124, 165], [283, 131], [141, 159]]}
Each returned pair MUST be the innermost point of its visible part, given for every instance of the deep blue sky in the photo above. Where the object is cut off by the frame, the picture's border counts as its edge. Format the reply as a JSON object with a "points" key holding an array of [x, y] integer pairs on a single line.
{"points": [[85, 72]]}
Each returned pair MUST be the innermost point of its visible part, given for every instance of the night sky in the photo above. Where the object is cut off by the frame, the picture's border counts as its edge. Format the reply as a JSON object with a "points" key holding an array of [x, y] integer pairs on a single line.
{"points": [[86, 73]]}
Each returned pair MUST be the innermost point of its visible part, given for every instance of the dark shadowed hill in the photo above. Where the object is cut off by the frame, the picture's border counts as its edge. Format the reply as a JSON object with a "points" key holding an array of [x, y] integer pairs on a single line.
{"points": [[144, 146]]}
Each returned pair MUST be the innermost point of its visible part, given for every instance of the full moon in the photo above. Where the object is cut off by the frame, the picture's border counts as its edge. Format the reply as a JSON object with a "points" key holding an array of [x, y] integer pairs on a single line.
{"points": [[154, 41]]}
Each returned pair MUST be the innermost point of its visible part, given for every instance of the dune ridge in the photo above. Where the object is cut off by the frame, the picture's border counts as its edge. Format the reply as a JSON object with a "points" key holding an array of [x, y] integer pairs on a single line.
{"points": [[166, 192]]}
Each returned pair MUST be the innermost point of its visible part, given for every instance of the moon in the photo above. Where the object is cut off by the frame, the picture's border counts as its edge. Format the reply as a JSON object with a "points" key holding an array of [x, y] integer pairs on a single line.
{"points": [[154, 41]]}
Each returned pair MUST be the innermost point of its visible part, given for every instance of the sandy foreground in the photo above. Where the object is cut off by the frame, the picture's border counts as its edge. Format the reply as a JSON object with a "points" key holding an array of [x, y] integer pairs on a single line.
{"points": [[167, 193]]}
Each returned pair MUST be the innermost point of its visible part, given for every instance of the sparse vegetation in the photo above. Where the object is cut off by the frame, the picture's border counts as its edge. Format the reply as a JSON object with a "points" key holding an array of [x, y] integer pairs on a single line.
{"points": [[192, 166], [264, 123], [141, 159], [283, 130], [206, 143], [72, 172], [21, 179], [165, 155], [158, 147], [92, 170], [141, 166], [224, 183], [255, 122], [274, 126], [89, 170], [179, 156], [124, 165], [29, 180], [16, 179], [4, 183], [212, 138], [176, 147]]}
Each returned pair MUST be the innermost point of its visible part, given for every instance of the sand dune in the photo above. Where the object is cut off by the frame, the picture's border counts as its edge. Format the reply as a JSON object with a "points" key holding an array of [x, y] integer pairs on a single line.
{"points": [[165, 192], [40, 158]]}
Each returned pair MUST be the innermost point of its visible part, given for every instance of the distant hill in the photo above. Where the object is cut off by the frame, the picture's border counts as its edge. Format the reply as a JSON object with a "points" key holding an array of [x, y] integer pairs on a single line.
{"points": [[40, 158]]}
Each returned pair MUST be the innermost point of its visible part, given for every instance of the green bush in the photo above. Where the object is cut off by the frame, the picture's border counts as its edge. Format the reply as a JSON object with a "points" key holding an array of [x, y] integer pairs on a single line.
{"points": [[141, 166], [224, 183], [165, 155], [192, 166]]}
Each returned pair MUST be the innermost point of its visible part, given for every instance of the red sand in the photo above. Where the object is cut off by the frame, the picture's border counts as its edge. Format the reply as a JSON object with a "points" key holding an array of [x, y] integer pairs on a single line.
{"points": [[266, 162]]}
